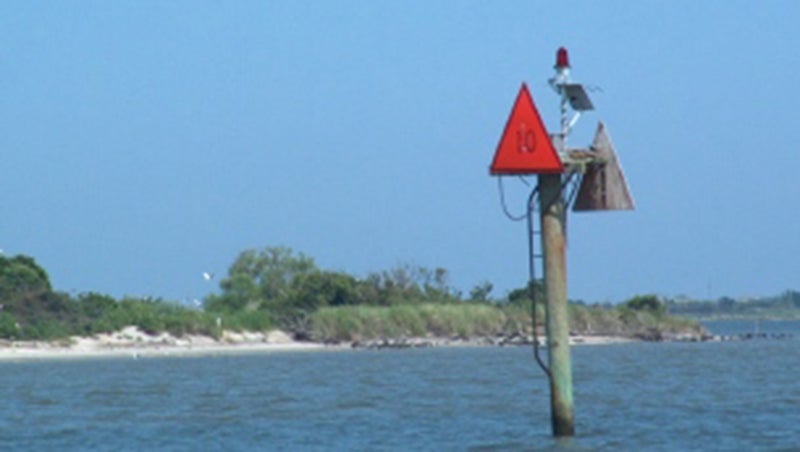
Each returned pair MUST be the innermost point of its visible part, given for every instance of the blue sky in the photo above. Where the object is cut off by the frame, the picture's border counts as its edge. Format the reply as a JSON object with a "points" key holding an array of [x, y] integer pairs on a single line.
{"points": [[146, 142]]}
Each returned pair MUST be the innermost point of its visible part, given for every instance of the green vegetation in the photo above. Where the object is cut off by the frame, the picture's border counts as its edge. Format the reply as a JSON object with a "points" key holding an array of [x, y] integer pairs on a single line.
{"points": [[277, 288], [643, 316], [355, 323], [290, 287], [785, 306], [465, 320], [31, 310]]}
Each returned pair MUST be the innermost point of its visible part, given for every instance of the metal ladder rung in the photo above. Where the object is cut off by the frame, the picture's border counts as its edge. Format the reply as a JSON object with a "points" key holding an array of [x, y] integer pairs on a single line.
{"points": [[536, 236]]}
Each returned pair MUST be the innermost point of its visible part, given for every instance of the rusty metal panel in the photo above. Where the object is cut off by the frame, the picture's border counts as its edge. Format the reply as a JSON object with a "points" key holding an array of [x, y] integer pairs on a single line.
{"points": [[603, 186]]}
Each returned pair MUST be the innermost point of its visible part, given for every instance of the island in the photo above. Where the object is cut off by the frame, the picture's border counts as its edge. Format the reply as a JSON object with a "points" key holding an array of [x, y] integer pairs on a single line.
{"points": [[275, 299]]}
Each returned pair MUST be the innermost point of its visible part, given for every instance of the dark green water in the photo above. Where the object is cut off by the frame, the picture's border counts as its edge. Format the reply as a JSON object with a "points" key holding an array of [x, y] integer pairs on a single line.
{"points": [[707, 396]]}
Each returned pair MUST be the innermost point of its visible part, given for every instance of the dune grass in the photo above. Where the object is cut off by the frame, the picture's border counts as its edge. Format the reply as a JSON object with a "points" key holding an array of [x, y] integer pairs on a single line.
{"points": [[464, 320], [350, 323]]}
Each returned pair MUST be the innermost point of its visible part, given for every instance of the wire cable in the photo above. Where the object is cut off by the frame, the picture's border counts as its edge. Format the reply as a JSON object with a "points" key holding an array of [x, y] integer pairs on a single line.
{"points": [[511, 216], [532, 200]]}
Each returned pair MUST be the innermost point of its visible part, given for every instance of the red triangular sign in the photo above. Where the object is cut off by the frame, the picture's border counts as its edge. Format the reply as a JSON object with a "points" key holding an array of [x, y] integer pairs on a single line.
{"points": [[525, 147]]}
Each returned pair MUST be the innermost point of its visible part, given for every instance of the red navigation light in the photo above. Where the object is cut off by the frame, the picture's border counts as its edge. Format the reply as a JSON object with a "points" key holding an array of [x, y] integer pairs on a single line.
{"points": [[562, 59]]}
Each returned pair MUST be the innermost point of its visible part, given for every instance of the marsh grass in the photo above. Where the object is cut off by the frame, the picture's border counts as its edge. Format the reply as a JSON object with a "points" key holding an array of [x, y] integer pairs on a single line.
{"points": [[465, 320], [350, 323]]}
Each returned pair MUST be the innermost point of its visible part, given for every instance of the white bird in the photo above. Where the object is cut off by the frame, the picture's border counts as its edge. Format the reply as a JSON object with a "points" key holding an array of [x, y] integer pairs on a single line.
{"points": [[208, 276]]}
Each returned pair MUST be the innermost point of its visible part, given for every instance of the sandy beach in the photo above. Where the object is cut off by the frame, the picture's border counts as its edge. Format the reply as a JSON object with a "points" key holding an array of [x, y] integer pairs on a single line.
{"points": [[132, 343]]}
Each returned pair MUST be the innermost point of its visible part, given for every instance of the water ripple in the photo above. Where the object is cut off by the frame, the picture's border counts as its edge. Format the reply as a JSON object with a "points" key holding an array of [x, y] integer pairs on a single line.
{"points": [[722, 396]]}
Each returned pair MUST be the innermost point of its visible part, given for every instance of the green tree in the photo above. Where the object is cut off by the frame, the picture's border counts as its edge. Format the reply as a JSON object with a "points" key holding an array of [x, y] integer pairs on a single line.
{"points": [[20, 276], [312, 291], [239, 292], [27, 297], [261, 279], [401, 284], [650, 303], [522, 295], [436, 286], [8, 326], [481, 292], [408, 284]]}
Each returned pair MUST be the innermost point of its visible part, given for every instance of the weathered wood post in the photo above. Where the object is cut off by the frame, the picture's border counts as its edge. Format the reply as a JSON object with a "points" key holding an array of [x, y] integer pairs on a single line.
{"points": [[553, 214]]}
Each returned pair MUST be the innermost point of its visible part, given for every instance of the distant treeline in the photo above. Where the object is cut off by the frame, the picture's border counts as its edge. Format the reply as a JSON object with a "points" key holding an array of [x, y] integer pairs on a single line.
{"points": [[783, 306], [277, 288], [31, 310]]}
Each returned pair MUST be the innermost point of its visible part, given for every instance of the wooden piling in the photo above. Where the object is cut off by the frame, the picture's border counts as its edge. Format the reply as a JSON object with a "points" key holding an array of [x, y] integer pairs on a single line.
{"points": [[553, 225]]}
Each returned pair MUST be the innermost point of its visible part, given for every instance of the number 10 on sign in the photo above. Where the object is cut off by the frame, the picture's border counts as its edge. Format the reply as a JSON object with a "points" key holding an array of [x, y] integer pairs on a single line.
{"points": [[526, 139], [525, 146]]}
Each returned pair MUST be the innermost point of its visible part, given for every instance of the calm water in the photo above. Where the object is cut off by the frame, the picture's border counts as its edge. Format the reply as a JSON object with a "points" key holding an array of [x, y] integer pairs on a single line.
{"points": [[713, 396]]}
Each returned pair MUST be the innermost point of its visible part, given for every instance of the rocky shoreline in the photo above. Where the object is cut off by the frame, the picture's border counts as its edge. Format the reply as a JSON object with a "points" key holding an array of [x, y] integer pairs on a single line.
{"points": [[577, 340], [505, 341], [131, 342]]}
